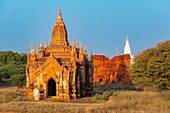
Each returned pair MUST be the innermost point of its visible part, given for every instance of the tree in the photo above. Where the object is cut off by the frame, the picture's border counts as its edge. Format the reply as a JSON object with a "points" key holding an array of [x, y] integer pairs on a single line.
{"points": [[12, 65], [152, 66], [9, 57], [17, 79]]}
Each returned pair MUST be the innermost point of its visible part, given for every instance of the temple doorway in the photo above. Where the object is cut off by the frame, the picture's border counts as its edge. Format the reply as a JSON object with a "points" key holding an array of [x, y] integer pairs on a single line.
{"points": [[51, 87]]}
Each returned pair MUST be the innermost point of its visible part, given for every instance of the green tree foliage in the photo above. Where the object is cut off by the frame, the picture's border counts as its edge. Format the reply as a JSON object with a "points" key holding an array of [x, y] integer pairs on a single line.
{"points": [[17, 79], [152, 66], [9, 57], [12, 67]]}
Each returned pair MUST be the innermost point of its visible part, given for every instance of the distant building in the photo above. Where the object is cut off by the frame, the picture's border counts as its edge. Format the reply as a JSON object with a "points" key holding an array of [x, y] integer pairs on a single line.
{"points": [[59, 70], [127, 49], [115, 69], [111, 70]]}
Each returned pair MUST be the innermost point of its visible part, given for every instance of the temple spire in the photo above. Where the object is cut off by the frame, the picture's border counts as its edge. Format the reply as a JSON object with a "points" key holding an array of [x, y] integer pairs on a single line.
{"points": [[77, 44], [46, 44], [59, 17], [73, 43], [32, 49], [127, 49], [81, 49], [73, 51], [59, 35], [126, 37], [85, 52], [41, 45], [41, 48]]}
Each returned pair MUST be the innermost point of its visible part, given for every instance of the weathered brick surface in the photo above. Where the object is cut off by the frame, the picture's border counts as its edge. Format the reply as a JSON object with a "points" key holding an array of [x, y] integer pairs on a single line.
{"points": [[111, 70]]}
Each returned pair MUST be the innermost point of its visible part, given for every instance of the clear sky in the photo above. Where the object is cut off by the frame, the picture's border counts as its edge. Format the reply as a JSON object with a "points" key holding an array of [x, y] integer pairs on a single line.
{"points": [[101, 25]]}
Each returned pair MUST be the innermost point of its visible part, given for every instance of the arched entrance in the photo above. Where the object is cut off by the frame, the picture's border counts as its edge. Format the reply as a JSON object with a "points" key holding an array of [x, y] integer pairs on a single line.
{"points": [[100, 80], [51, 87]]}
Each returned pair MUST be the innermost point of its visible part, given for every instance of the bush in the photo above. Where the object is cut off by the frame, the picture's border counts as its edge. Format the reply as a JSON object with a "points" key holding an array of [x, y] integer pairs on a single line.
{"points": [[115, 86], [98, 97], [102, 97]]}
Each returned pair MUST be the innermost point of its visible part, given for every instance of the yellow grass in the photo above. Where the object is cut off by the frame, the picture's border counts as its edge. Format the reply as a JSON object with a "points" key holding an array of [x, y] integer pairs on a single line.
{"points": [[135, 102], [13, 99]]}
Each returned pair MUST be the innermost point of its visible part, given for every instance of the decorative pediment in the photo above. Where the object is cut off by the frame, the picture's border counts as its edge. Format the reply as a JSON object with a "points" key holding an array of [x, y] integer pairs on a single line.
{"points": [[52, 64], [50, 60]]}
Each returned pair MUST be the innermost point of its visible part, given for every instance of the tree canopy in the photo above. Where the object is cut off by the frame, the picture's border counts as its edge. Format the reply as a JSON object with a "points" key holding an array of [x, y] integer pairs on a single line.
{"points": [[9, 57], [152, 66], [12, 68]]}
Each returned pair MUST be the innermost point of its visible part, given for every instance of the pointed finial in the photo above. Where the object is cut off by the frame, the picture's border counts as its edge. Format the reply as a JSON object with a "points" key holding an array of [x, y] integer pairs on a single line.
{"points": [[81, 49], [85, 52], [77, 44], [126, 37], [46, 44], [127, 49], [59, 12], [59, 17], [73, 43], [41, 45], [73, 49], [32, 49]]}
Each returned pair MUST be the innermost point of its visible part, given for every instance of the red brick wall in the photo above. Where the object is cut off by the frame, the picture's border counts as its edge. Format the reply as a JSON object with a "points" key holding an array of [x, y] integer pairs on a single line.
{"points": [[111, 70]]}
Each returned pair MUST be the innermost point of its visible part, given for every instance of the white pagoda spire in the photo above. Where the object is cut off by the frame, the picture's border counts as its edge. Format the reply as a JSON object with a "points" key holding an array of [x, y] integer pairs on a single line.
{"points": [[127, 49]]}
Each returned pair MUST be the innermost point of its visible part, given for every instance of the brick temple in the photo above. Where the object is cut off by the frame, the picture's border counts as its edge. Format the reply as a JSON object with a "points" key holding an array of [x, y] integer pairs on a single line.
{"points": [[60, 70], [111, 70]]}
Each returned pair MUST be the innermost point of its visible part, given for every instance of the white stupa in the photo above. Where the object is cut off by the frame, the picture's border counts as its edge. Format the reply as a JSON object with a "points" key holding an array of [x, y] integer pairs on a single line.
{"points": [[127, 49]]}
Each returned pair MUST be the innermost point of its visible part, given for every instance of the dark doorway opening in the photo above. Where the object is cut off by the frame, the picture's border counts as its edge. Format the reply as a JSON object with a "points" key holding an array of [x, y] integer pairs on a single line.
{"points": [[120, 78], [51, 87], [100, 80]]}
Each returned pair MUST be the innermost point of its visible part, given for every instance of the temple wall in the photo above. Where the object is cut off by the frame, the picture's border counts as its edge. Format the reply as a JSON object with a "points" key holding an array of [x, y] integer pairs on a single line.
{"points": [[111, 70]]}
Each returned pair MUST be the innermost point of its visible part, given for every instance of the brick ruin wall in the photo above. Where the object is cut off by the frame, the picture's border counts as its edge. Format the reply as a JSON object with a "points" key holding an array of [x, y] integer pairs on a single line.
{"points": [[111, 70]]}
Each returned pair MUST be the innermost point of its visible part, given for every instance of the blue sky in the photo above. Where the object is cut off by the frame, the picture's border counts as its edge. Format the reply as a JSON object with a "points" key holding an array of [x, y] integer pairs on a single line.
{"points": [[101, 25]]}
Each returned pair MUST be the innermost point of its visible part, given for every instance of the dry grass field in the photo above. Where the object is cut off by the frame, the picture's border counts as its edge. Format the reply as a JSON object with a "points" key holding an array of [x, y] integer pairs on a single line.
{"points": [[13, 100]]}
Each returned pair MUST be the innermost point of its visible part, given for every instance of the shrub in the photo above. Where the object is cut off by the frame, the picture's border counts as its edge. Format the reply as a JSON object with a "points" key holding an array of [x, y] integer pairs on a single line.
{"points": [[106, 95], [102, 97]]}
